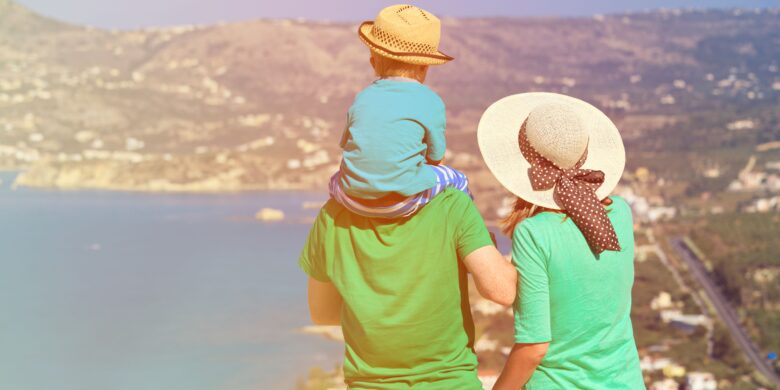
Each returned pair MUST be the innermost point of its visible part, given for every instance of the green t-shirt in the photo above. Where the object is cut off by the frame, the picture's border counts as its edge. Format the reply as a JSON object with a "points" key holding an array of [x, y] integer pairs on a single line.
{"points": [[406, 316], [578, 302]]}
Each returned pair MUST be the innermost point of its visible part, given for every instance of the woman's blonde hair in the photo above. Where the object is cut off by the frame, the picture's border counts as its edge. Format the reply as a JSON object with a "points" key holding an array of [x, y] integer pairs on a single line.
{"points": [[524, 209], [388, 67]]}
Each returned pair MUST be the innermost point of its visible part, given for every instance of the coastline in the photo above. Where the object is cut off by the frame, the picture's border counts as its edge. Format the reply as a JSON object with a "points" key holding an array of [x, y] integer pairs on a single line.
{"points": [[167, 177], [208, 283], [159, 187], [171, 191]]}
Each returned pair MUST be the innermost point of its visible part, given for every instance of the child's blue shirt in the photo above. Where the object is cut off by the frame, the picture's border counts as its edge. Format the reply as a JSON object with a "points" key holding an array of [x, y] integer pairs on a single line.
{"points": [[393, 127]]}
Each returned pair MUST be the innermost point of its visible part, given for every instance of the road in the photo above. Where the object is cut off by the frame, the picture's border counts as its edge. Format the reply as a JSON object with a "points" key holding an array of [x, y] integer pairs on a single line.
{"points": [[725, 312]]}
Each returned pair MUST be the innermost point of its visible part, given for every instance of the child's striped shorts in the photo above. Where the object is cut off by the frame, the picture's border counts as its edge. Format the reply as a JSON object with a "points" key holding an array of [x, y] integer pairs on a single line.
{"points": [[446, 177]]}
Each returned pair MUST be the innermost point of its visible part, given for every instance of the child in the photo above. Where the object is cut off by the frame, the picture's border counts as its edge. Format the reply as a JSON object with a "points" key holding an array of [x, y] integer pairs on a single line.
{"points": [[572, 245], [393, 145]]}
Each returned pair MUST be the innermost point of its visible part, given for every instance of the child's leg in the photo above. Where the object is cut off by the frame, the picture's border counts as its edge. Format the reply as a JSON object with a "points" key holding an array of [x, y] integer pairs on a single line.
{"points": [[401, 209], [446, 177]]}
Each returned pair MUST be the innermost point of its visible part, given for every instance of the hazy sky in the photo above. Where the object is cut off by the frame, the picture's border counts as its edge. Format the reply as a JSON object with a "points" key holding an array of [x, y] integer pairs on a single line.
{"points": [[140, 13]]}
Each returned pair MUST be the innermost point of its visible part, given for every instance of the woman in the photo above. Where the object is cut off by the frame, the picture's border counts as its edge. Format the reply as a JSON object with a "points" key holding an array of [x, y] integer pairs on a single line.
{"points": [[572, 244]]}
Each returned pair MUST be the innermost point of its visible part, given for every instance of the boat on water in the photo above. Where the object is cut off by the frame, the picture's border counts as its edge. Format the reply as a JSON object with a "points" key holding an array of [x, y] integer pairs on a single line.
{"points": [[312, 205], [270, 215]]}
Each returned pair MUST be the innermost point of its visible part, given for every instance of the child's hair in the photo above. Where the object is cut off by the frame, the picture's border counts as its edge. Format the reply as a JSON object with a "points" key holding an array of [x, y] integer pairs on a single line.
{"points": [[524, 209], [388, 67]]}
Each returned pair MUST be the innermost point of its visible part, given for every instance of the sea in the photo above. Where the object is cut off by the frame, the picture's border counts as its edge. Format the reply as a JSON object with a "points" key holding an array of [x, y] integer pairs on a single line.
{"points": [[115, 290]]}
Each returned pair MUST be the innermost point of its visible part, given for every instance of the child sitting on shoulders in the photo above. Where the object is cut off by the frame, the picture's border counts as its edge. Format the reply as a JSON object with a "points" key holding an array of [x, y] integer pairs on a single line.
{"points": [[394, 142]]}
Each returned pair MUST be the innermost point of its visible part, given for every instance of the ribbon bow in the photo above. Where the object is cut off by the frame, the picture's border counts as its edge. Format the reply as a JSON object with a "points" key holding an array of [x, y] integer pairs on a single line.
{"points": [[574, 190]]}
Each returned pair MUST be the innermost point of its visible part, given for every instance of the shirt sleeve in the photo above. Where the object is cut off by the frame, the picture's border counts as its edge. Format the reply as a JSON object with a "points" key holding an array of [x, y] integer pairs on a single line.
{"points": [[434, 133], [472, 232], [532, 306], [313, 257]]}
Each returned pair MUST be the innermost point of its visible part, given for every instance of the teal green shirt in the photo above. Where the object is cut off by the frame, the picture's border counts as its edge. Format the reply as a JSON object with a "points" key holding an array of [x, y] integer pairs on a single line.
{"points": [[393, 127], [579, 303], [406, 316]]}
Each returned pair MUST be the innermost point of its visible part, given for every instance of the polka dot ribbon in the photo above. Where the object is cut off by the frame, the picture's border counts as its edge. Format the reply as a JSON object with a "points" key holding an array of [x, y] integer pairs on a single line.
{"points": [[574, 190]]}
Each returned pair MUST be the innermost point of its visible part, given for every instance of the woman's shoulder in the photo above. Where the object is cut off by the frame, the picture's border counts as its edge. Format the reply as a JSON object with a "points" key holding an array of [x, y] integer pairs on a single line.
{"points": [[534, 226], [543, 218], [619, 206], [618, 201], [548, 221]]}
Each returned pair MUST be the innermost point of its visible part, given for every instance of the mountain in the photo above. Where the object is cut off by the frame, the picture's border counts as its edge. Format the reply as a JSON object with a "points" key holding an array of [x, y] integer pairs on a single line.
{"points": [[260, 104], [16, 20]]}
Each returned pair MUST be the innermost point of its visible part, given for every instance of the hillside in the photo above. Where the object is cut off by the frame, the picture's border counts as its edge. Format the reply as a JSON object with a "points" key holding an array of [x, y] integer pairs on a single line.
{"points": [[259, 105]]}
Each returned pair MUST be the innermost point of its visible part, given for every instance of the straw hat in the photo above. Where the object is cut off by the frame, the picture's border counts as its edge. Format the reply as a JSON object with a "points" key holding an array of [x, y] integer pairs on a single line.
{"points": [[405, 33], [561, 129]]}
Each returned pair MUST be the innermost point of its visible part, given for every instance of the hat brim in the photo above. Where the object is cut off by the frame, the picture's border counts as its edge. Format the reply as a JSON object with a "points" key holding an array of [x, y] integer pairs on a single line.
{"points": [[364, 32], [499, 129]]}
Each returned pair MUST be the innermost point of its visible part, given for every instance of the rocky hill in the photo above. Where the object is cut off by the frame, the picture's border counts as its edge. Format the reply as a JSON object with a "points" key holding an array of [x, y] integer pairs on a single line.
{"points": [[260, 104]]}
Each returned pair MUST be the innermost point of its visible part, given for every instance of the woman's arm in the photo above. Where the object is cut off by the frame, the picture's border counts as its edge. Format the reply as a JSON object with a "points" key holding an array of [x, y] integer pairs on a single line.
{"points": [[520, 365], [495, 277], [324, 303], [532, 309]]}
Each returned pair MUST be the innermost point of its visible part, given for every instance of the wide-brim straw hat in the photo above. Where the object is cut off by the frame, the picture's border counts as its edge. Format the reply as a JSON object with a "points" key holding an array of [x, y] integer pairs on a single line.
{"points": [[405, 33], [498, 136]]}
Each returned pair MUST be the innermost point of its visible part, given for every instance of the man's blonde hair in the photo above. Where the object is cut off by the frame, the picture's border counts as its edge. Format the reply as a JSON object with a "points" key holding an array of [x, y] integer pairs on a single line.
{"points": [[388, 67]]}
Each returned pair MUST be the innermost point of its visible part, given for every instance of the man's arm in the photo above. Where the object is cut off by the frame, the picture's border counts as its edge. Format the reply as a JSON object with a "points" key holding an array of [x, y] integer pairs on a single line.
{"points": [[495, 277], [520, 365], [325, 303]]}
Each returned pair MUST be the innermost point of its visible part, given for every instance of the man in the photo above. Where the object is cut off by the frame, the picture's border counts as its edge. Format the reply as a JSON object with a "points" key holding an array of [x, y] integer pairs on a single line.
{"points": [[399, 289]]}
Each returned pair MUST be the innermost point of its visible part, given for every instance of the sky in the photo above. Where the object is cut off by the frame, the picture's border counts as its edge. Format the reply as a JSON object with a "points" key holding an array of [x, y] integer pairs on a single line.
{"points": [[128, 14]]}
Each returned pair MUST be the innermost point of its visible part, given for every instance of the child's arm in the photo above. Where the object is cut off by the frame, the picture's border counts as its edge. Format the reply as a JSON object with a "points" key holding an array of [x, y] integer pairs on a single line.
{"points": [[434, 136], [520, 365], [325, 303], [345, 133]]}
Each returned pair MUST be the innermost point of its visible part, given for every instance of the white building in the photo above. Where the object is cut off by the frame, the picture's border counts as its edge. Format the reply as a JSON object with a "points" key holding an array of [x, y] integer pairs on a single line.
{"points": [[662, 301], [668, 316], [666, 384], [654, 364], [701, 381], [661, 213]]}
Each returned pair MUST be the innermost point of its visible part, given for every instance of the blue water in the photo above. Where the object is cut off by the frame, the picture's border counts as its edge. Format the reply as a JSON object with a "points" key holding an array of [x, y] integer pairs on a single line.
{"points": [[103, 290]]}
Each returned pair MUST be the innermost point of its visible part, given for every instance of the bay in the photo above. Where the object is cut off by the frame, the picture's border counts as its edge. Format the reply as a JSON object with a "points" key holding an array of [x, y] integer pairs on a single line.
{"points": [[111, 290]]}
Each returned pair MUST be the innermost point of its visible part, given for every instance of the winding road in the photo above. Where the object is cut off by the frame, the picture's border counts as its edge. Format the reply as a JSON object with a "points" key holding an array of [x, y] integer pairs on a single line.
{"points": [[724, 310]]}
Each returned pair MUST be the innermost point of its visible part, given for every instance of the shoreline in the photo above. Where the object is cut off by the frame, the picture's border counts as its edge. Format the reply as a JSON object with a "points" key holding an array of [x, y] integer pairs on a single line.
{"points": [[13, 185], [121, 190]]}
